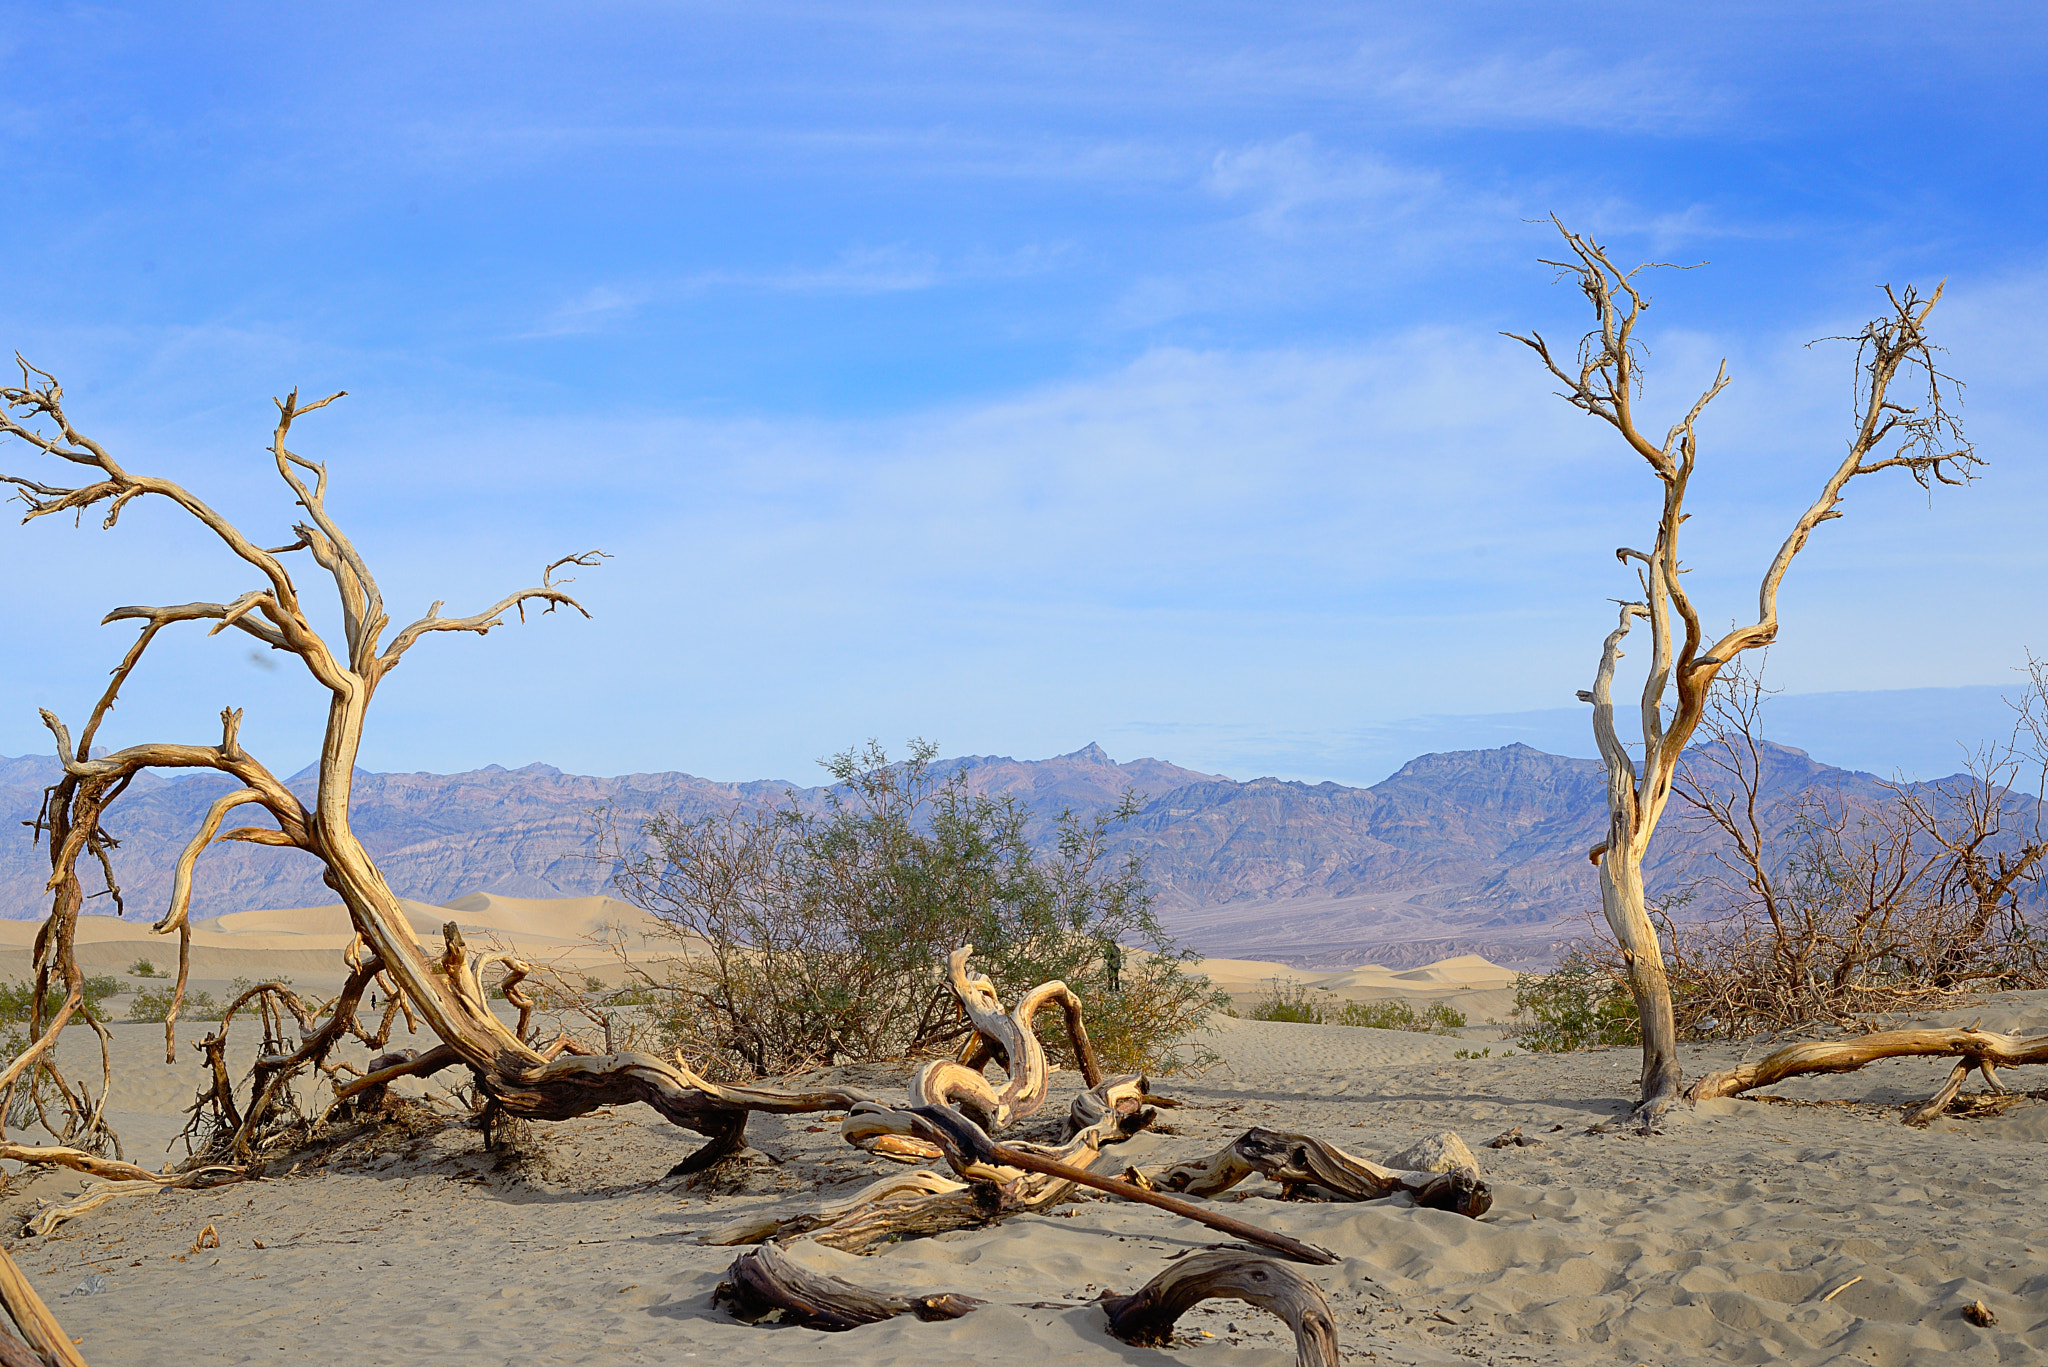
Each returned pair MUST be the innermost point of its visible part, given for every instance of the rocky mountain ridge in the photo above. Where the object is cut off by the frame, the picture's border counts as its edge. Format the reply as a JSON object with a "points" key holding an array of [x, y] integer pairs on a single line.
{"points": [[1477, 851]]}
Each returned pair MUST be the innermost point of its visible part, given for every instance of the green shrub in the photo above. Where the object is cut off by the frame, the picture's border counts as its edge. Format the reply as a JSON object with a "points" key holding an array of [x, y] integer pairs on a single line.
{"points": [[153, 1004], [812, 936], [17, 999], [1440, 1018], [1581, 1004], [143, 968], [1287, 1000]]}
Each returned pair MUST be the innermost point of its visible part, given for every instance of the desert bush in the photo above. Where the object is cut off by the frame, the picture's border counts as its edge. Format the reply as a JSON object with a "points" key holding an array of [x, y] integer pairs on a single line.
{"points": [[815, 937], [18, 999], [142, 968], [1288, 1000], [153, 1004], [1438, 1018], [1584, 1002], [1820, 906], [1294, 1002]]}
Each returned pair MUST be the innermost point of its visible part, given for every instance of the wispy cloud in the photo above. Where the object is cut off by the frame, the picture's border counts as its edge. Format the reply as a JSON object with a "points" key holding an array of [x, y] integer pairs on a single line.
{"points": [[857, 270]]}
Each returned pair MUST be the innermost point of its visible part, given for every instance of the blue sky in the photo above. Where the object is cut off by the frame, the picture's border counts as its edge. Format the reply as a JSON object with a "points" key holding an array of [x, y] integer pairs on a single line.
{"points": [[1017, 376]]}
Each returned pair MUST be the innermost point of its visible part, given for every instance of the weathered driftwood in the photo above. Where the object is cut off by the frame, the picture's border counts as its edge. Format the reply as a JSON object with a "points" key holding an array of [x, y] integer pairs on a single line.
{"points": [[903, 1204], [973, 1155], [1305, 1165], [120, 1179], [767, 1283], [49, 1345], [1006, 1038], [1148, 1314], [1972, 1049], [923, 1203]]}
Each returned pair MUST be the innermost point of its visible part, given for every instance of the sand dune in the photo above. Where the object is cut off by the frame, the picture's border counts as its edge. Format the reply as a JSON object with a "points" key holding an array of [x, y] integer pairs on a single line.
{"points": [[1716, 1243]]}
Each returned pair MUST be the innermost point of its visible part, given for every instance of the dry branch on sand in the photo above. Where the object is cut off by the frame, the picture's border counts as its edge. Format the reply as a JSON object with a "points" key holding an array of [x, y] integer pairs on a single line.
{"points": [[1972, 1049], [1001, 1177], [768, 1283], [1925, 441]]}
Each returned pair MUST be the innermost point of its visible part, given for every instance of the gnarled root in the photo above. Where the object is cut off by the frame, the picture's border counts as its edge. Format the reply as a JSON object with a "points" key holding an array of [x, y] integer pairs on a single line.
{"points": [[1008, 1039], [767, 1281], [1971, 1048], [922, 1202], [1305, 1165], [1148, 1314], [1114, 1108], [973, 1155]]}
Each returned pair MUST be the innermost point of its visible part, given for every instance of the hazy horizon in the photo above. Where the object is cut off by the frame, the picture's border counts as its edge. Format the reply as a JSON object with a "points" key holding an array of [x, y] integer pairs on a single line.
{"points": [[1915, 734]]}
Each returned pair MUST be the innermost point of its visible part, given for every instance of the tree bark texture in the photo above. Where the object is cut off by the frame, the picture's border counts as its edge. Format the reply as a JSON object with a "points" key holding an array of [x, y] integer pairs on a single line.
{"points": [[1147, 1315]]}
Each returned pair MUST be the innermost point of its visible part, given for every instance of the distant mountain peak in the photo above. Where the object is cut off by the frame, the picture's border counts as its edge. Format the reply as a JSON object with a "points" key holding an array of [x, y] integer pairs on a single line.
{"points": [[1091, 753]]}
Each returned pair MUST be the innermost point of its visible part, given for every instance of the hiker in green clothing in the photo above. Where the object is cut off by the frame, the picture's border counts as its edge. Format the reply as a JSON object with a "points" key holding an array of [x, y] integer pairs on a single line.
{"points": [[1113, 960]]}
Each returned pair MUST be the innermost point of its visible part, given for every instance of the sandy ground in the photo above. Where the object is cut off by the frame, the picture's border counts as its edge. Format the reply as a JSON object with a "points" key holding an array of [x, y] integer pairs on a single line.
{"points": [[1713, 1243]]}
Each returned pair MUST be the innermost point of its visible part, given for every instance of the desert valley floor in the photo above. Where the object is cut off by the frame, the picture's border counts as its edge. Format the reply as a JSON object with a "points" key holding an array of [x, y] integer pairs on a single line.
{"points": [[1719, 1241]]}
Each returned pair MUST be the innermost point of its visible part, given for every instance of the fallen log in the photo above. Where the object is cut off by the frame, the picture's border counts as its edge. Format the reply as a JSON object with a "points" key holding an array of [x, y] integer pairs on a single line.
{"points": [[1972, 1048], [1305, 1165], [1147, 1315], [767, 1283]]}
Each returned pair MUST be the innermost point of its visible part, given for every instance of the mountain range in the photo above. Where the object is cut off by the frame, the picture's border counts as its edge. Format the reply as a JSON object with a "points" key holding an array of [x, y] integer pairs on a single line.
{"points": [[1477, 851]]}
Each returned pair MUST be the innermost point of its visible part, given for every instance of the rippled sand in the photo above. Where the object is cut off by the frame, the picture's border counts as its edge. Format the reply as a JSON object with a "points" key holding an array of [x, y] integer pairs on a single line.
{"points": [[1714, 1243]]}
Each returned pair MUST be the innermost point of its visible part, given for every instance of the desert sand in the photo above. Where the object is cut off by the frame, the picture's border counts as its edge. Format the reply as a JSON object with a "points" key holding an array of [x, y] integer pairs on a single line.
{"points": [[1719, 1241]]}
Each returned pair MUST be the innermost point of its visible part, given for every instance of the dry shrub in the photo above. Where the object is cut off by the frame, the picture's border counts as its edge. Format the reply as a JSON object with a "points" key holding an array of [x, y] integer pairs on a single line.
{"points": [[1820, 906]]}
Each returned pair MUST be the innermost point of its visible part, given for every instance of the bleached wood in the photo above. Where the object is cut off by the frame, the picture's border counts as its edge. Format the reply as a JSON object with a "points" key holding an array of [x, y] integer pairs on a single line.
{"points": [[1926, 442], [1147, 1315], [519, 1078], [39, 1328], [1971, 1048]]}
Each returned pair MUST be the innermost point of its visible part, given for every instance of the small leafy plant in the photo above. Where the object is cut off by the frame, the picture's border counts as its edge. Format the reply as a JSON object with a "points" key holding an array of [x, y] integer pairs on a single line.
{"points": [[1582, 1004], [1439, 1018]]}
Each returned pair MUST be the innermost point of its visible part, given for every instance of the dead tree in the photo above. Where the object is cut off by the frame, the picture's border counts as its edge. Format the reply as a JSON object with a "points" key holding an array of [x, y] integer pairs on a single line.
{"points": [[1925, 440], [444, 990]]}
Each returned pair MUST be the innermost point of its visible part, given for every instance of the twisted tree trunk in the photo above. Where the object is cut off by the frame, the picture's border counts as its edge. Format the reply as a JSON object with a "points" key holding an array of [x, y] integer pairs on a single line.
{"points": [[445, 992], [1926, 442]]}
